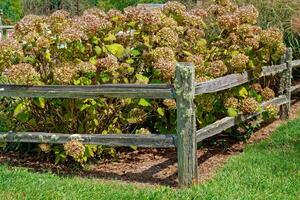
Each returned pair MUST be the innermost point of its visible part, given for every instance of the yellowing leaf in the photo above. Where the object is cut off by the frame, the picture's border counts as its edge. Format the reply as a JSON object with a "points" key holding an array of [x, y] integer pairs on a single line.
{"points": [[20, 109], [110, 37], [116, 49], [243, 92], [144, 102], [98, 50], [142, 79], [232, 112], [160, 111]]}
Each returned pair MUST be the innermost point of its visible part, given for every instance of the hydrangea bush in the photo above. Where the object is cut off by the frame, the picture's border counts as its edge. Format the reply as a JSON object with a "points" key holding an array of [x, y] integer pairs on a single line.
{"points": [[140, 45]]}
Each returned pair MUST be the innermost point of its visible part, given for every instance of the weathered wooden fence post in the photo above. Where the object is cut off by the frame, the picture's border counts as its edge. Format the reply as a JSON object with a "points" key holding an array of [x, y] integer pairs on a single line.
{"points": [[286, 83], [186, 124], [1, 30]]}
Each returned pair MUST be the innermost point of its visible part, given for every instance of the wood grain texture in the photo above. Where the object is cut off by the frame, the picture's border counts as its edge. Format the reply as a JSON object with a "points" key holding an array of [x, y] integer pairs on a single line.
{"points": [[295, 63], [154, 91], [151, 140], [233, 80], [295, 89], [6, 27], [228, 122], [186, 125]]}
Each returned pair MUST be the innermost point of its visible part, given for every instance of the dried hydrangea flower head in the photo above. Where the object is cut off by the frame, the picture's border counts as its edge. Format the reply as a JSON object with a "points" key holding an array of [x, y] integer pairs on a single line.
{"points": [[248, 14], [164, 61], [271, 36], [267, 93], [167, 37], [46, 148], [10, 50], [256, 87], [272, 110], [174, 8], [64, 73], [249, 105], [23, 74], [109, 63], [75, 149], [231, 102], [217, 68], [170, 103], [30, 23], [239, 62], [58, 21]]}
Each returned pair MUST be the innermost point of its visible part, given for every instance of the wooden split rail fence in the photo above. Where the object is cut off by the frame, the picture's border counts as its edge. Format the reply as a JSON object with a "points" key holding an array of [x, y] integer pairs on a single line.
{"points": [[185, 90]]}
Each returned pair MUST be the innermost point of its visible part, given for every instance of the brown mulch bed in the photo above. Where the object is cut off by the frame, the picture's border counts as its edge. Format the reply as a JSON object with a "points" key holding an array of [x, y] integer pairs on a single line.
{"points": [[147, 166]]}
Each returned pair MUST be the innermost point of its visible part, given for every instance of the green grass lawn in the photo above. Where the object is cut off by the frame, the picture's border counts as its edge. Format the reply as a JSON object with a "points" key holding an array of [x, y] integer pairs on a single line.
{"points": [[268, 170]]}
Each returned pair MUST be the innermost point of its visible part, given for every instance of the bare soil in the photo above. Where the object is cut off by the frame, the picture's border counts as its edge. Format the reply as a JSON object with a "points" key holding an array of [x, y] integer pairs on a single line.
{"points": [[148, 166]]}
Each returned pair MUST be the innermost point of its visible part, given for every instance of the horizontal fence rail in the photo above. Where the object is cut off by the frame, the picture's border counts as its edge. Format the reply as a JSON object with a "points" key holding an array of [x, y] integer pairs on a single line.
{"points": [[228, 122], [6, 27], [150, 140], [233, 80], [155, 91]]}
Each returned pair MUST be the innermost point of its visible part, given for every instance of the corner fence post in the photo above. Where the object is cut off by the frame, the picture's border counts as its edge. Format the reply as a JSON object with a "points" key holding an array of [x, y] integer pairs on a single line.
{"points": [[186, 124], [285, 84]]}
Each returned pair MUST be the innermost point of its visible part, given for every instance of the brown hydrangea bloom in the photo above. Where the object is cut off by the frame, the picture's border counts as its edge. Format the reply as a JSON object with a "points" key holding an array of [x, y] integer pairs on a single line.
{"points": [[75, 149], [199, 12], [174, 8], [252, 42], [170, 103], [64, 73], [136, 116], [249, 105], [167, 37], [248, 14], [86, 67], [143, 16], [239, 62], [217, 68], [143, 131], [43, 42], [74, 32], [115, 15], [46, 148], [59, 20], [109, 63], [228, 22], [194, 34], [93, 24], [9, 49], [164, 61], [272, 110], [268, 93], [97, 12], [197, 61], [231, 102], [23, 74], [271, 36], [30, 23], [257, 87]]}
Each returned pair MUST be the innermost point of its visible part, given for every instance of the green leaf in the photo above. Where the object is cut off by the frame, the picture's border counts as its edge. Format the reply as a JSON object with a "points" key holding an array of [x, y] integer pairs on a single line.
{"points": [[95, 40], [142, 78], [40, 102], [104, 77], [243, 92], [110, 37], [116, 49], [93, 60], [160, 111], [98, 50], [84, 106], [135, 52], [20, 108], [144, 102], [48, 55], [232, 112]]}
